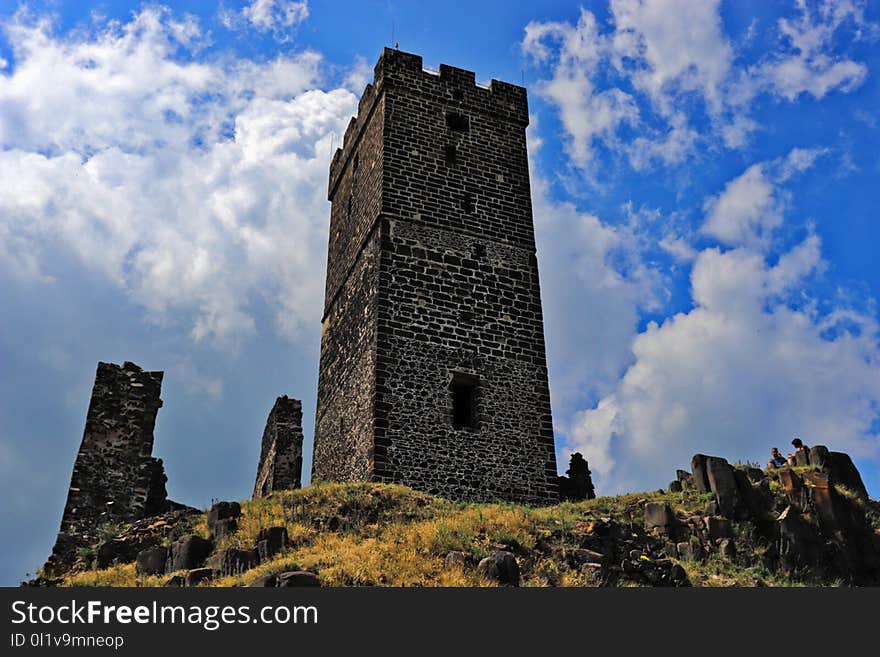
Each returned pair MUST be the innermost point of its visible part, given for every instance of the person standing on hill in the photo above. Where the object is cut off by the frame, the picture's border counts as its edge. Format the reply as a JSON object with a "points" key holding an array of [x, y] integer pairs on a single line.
{"points": [[801, 454]]}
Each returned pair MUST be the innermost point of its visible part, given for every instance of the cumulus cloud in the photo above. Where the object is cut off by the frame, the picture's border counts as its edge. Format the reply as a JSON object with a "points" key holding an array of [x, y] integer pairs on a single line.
{"points": [[746, 212], [198, 188], [672, 46], [276, 16], [750, 207], [754, 362], [668, 69], [588, 114], [809, 64]]}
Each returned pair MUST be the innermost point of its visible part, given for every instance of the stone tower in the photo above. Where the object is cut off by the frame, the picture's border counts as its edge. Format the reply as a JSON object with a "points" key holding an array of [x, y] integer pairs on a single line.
{"points": [[280, 466], [433, 372]]}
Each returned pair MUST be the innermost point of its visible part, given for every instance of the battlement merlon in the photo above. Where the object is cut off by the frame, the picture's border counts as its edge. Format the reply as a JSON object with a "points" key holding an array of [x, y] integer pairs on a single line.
{"points": [[456, 87]]}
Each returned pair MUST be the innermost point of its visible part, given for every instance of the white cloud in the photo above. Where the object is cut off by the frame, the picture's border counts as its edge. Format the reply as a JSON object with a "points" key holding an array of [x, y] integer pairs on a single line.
{"points": [[276, 16], [672, 147], [667, 68], [750, 207], [674, 46], [586, 113], [746, 212], [812, 67], [197, 188]]}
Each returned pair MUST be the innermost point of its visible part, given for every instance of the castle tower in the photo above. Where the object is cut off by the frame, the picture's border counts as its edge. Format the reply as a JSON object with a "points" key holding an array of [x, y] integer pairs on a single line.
{"points": [[433, 372]]}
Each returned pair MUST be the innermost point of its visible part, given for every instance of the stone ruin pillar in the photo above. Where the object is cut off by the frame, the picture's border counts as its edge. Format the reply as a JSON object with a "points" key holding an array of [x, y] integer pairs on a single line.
{"points": [[280, 466], [115, 478]]}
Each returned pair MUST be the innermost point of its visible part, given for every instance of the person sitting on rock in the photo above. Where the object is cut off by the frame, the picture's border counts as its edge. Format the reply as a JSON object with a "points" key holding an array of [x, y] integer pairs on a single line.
{"points": [[801, 455], [777, 460]]}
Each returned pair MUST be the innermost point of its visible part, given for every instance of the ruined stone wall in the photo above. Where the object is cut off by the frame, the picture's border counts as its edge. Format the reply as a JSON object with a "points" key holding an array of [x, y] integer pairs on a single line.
{"points": [[457, 292], [280, 466], [115, 478]]}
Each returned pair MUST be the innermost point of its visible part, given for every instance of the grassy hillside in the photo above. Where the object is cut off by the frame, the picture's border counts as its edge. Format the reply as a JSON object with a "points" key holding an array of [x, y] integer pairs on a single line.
{"points": [[364, 534]]}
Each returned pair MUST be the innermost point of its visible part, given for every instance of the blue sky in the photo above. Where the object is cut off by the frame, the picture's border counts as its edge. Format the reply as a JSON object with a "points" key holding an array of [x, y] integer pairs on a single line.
{"points": [[704, 183]]}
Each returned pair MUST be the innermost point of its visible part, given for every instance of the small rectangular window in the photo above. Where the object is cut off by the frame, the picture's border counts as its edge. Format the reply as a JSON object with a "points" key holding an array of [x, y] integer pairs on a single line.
{"points": [[468, 203], [457, 122], [464, 400]]}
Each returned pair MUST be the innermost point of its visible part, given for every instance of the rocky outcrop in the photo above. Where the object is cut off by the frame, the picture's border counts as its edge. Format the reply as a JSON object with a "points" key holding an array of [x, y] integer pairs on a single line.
{"points": [[817, 523]]}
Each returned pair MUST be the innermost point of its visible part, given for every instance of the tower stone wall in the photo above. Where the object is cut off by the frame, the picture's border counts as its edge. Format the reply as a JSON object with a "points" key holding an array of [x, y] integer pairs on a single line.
{"points": [[280, 466], [115, 477], [433, 370]]}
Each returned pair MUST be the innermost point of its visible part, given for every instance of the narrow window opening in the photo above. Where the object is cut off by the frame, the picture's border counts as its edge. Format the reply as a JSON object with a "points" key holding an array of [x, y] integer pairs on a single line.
{"points": [[450, 153], [350, 197], [464, 401], [457, 122], [468, 203]]}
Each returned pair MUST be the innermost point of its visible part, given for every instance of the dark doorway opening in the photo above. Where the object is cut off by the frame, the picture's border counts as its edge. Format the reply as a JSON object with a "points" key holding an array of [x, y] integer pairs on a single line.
{"points": [[464, 400]]}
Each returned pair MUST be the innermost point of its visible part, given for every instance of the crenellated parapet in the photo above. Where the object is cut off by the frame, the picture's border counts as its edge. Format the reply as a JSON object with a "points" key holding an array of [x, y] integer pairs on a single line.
{"points": [[451, 86]]}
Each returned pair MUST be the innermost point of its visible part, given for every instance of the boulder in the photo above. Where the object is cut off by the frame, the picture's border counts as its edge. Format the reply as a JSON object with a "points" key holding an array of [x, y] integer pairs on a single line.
{"points": [[718, 528], [792, 485], [799, 543], [843, 471], [659, 515], [198, 576], [123, 549], [751, 500], [224, 527], [297, 578], [266, 581], [722, 482], [271, 541], [678, 575], [580, 556], [819, 456], [675, 486], [175, 580], [691, 550], [223, 518], [727, 548], [701, 474], [754, 474], [151, 561], [222, 511], [188, 553], [233, 561], [456, 559], [500, 567]]}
